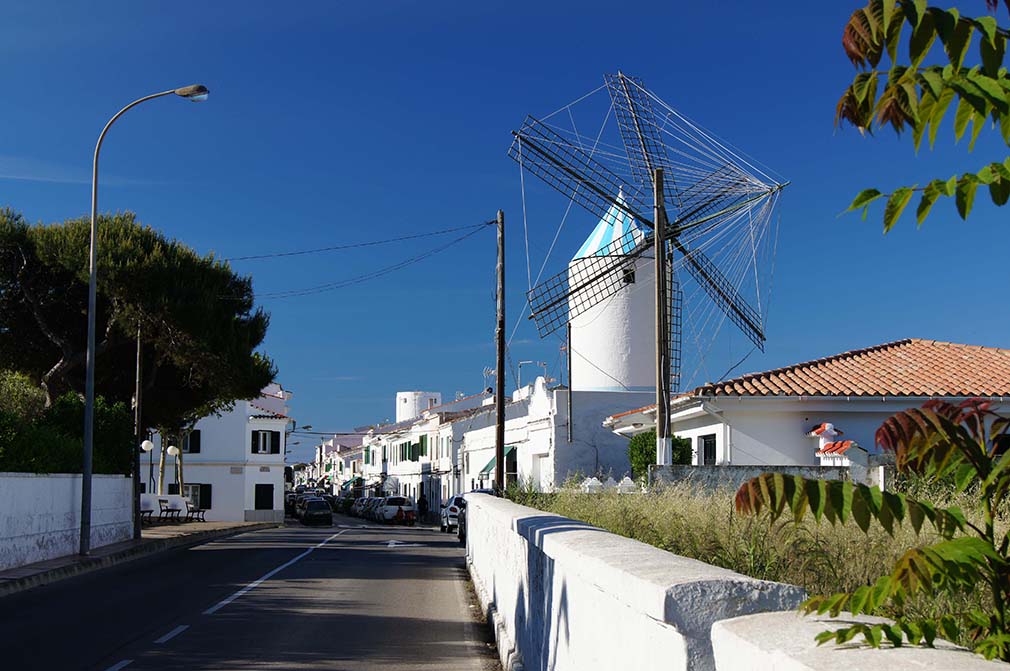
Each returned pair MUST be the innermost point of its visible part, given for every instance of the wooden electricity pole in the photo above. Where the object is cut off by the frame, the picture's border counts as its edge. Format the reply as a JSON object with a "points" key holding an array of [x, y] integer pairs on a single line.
{"points": [[663, 455], [499, 334]]}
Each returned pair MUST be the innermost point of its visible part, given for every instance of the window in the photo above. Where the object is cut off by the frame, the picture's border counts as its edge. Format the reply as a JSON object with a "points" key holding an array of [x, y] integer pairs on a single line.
{"points": [[266, 442], [191, 442], [706, 446], [192, 492]]}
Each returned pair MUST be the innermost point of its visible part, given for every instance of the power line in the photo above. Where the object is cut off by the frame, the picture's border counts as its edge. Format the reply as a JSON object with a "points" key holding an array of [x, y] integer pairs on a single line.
{"points": [[372, 243], [332, 286]]}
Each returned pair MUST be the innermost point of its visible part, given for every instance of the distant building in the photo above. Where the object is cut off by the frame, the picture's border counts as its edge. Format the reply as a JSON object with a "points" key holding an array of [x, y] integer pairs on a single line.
{"points": [[233, 463], [796, 415]]}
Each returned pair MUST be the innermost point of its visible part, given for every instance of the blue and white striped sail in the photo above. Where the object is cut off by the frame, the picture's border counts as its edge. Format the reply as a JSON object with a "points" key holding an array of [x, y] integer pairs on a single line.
{"points": [[615, 226]]}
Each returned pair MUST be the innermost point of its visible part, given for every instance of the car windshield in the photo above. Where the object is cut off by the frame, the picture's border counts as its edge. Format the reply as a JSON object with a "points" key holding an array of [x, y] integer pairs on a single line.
{"points": [[317, 505], [458, 501], [396, 501]]}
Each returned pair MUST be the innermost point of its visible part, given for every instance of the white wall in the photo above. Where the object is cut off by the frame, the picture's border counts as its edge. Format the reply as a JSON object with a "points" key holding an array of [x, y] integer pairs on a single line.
{"points": [[567, 596], [40, 515]]}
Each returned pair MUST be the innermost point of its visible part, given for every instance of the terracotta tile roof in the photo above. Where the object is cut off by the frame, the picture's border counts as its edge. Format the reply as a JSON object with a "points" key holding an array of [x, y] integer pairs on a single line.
{"points": [[911, 367], [821, 428], [267, 413], [837, 448]]}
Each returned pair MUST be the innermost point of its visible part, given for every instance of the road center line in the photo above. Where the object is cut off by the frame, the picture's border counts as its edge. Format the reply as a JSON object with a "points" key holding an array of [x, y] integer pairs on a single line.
{"points": [[256, 583], [172, 634], [120, 665]]}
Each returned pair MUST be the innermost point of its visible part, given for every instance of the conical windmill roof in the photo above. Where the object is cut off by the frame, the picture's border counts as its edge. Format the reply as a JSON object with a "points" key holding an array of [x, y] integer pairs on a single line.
{"points": [[615, 225]]}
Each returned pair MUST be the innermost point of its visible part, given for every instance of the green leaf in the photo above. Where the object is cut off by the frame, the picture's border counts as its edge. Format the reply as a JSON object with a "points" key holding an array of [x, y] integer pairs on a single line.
{"points": [[861, 513], [961, 118], [932, 79], [992, 55], [956, 43], [863, 200], [990, 87], [929, 196], [987, 25], [817, 496], [921, 40], [916, 515], [965, 475], [950, 186], [939, 110], [895, 206], [965, 196], [893, 634]]}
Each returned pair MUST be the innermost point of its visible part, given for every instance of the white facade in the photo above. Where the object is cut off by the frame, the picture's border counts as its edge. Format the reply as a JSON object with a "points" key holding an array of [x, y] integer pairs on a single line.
{"points": [[548, 441], [771, 431], [235, 459], [410, 404]]}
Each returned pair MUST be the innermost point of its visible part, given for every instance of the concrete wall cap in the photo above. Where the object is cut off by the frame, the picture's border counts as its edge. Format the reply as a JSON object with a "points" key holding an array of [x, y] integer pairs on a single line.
{"points": [[683, 592], [785, 642]]}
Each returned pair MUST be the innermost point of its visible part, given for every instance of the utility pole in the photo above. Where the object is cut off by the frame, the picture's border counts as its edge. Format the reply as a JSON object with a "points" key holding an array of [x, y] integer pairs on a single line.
{"points": [[499, 334], [663, 452], [137, 431]]}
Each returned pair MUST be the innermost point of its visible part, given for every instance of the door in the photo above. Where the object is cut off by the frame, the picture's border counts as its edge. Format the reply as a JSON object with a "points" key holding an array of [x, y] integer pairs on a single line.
{"points": [[264, 497], [708, 449]]}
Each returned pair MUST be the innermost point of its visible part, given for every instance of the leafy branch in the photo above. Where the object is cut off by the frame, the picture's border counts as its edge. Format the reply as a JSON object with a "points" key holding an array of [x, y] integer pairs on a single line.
{"points": [[965, 443], [919, 97]]}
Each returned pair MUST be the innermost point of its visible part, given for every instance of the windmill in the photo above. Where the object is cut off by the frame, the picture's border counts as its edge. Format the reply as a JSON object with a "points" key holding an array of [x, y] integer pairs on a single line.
{"points": [[687, 188]]}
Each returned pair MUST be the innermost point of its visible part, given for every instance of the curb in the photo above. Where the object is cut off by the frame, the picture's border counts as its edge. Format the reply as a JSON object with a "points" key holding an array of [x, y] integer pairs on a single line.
{"points": [[87, 565]]}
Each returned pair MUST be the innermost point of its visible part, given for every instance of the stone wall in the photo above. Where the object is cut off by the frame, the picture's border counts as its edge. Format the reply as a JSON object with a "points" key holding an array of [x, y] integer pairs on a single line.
{"points": [[565, 596], [40, 515]]}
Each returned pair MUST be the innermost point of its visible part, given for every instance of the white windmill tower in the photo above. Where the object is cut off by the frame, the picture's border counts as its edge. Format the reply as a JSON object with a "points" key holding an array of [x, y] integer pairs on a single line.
{"points": [[612, 343]]}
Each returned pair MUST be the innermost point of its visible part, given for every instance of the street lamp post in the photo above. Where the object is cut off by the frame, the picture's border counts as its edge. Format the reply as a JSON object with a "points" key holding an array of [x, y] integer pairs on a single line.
{"points": [[195, 93]]}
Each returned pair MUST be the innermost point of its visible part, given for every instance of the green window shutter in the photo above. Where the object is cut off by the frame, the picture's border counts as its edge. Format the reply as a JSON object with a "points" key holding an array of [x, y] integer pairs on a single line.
{"points": [[424, 445]]}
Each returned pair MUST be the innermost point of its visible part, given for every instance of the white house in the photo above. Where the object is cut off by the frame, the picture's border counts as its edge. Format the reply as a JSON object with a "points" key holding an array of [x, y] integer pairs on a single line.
{"points": [[233, 463], [796, 415], [417, 456]]}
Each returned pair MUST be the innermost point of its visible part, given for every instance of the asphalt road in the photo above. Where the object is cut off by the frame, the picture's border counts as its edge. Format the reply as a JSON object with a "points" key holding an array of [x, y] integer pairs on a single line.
{"points": [[340, 597]]}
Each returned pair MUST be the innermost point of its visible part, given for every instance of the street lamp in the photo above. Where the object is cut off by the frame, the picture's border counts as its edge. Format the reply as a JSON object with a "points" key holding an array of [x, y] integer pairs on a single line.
{"points": [[148, 446], [196, 93]]}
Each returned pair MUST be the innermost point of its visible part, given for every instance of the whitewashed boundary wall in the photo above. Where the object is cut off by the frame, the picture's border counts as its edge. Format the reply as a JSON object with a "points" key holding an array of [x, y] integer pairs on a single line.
{"points": [[40, 515], [565, 596]]}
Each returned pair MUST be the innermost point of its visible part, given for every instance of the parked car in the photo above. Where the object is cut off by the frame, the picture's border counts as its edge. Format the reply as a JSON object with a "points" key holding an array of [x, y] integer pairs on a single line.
{"points": [[317, 511], [301, 503], [448, 518], [396, 510], [331, 500], [357, 508], [461, 515], [370, 508]]}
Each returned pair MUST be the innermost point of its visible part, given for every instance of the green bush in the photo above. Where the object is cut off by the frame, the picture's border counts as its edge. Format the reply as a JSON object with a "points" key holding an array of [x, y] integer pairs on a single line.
{"points": [[642, 452], [54, 441]]}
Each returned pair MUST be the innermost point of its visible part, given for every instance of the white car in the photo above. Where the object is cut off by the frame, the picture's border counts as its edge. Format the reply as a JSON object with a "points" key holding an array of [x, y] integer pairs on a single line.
{"points": [[449, 518], [396, 510]]}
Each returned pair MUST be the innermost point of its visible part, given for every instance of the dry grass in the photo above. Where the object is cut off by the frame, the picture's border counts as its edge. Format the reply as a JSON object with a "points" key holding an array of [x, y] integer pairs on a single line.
{"points": [[703, 524]]}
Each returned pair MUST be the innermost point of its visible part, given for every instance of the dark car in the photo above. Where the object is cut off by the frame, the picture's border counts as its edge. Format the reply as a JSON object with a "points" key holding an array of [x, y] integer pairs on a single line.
{"points": [[332, 500], [461, 515], [317, 511]]}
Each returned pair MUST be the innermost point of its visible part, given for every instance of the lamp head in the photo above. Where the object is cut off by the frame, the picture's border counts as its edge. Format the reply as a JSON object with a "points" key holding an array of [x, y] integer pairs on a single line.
{"points": [[147, 446], [197, 92], [173, 450]]}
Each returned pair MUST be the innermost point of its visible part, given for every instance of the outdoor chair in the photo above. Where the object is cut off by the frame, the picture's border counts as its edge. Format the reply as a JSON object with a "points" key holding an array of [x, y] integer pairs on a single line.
{"points": [[167, 513], [193, 513]]}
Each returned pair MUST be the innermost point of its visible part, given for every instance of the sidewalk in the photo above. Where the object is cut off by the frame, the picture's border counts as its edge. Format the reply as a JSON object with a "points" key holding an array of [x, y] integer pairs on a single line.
{"points": [[157, 538]]}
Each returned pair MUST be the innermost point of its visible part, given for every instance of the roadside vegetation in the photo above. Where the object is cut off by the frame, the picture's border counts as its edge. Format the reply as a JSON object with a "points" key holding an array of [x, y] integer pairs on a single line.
{"points": [[691, 521]]}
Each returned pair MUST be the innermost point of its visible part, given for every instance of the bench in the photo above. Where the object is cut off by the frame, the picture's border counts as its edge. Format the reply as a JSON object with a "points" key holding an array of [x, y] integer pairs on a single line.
{"points": [[145, 516], [194, 514], [168, 513]]}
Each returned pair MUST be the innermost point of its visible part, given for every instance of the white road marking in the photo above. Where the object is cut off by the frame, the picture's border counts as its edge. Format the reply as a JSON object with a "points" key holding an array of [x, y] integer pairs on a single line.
{"points": [[256, 583], [398, 544], [172, 634], [120, 665]]}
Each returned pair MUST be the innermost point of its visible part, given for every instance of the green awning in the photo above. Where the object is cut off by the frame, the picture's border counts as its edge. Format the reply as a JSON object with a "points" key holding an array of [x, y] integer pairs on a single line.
{"points": [[490, 465]]}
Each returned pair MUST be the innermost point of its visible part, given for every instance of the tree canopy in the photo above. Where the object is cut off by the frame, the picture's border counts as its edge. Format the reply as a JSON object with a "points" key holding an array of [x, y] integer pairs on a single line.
{"points": [[199, 326], [918, 93]]}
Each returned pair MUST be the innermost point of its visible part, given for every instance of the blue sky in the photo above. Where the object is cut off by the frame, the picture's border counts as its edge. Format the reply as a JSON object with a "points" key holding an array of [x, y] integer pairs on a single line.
{"points": [[332, 123]]}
